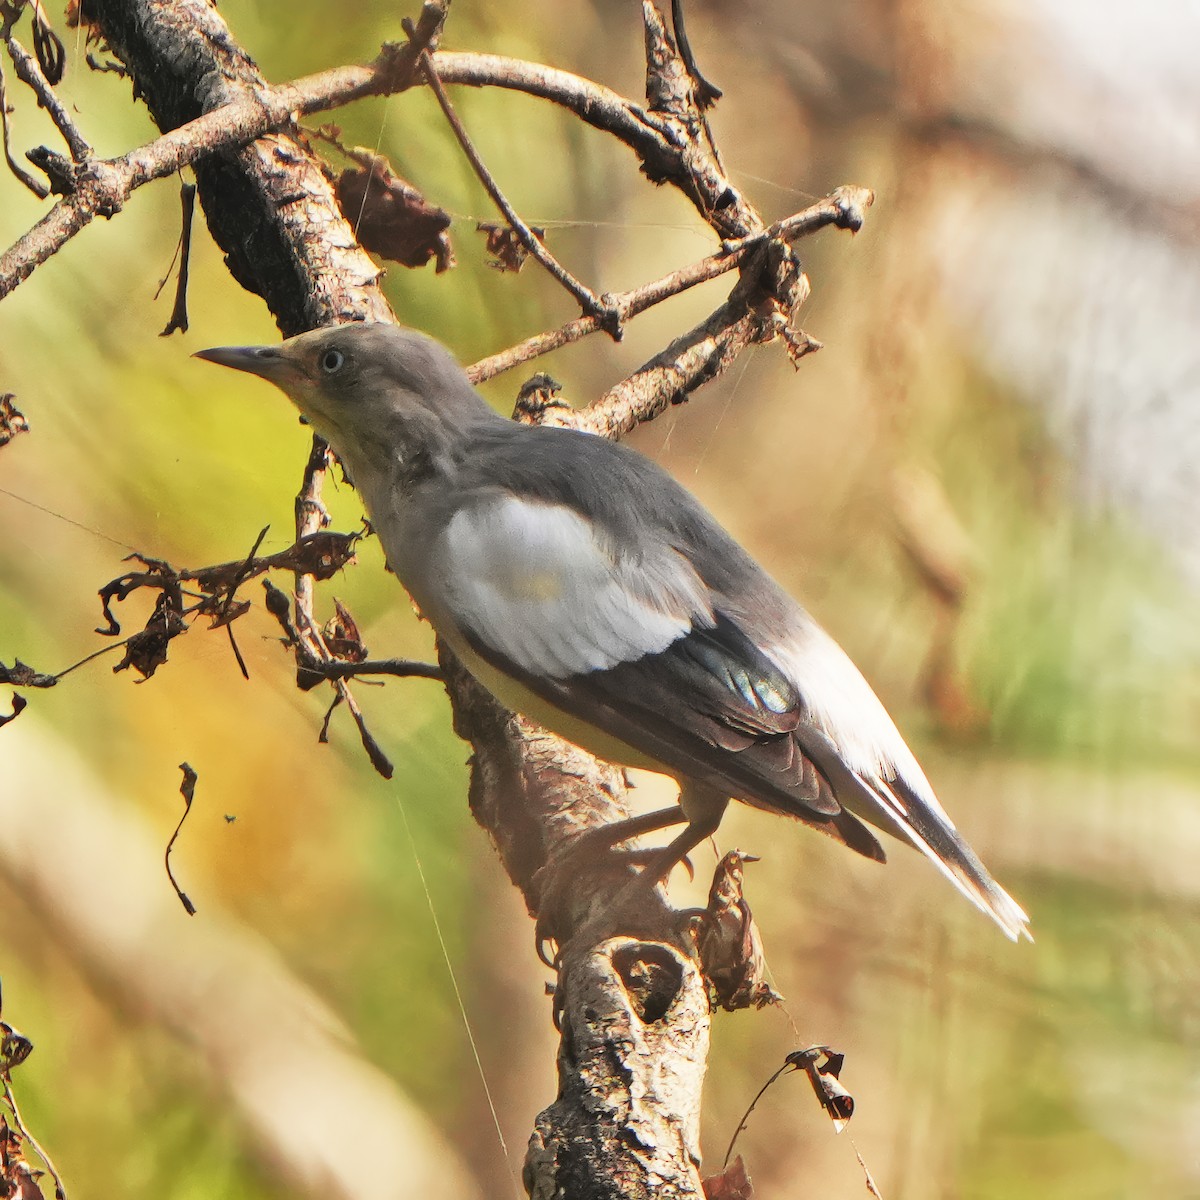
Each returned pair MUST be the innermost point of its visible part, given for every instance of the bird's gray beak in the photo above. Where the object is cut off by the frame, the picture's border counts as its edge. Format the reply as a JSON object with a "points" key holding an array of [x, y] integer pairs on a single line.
{"points": [[268, 362]]}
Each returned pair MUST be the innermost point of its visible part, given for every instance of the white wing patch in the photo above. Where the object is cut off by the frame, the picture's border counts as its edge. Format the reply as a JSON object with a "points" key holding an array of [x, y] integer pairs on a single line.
{"points": [[533, 582]]}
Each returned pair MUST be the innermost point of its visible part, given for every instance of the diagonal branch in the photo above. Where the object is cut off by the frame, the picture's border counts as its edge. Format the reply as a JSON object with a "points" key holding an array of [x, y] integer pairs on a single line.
{"points": [[843, 209], [30, 73], [590, 302]]}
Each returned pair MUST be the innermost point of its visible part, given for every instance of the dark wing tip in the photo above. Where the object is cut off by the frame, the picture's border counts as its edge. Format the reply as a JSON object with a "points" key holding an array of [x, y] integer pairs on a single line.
{"points": [[853, 833]]}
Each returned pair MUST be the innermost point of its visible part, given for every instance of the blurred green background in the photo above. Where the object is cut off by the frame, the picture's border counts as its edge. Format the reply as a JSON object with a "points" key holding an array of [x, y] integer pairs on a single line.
{"points": [[1008, 389]]}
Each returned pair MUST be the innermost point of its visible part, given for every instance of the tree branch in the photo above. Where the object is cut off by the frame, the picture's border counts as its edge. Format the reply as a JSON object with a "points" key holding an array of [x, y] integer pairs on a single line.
{"points": [[30, 73], [235, 106], [843, 208], [589, 301]]}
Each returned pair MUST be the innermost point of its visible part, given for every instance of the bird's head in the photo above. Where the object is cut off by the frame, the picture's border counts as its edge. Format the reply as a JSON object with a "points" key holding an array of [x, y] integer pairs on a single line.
{"points": [[371, 390]]}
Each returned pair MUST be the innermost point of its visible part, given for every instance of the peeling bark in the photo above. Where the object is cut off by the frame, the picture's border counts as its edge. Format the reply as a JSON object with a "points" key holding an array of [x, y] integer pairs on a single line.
{"points": [[269, 206], [626, 1124]]}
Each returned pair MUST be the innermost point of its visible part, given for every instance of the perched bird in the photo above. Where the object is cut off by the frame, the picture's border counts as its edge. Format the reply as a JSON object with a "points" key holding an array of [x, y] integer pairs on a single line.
{"points": [[588, 590]]}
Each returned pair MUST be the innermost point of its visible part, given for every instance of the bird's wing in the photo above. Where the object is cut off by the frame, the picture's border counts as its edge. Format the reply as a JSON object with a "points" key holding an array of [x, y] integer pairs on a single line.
{"points": [[630, 644], [534, 583], [697, 659]]}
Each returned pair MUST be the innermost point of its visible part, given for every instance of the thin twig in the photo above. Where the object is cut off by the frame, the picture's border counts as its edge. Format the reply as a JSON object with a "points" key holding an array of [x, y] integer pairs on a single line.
{"points": [[404, 668], [316, 642], [592, 304], [843, 209], [179, 313], [311, 516], [787, 1066], [60, 1192], [29, 72], [35, 185], [187, 789], [247, 568], [706, 93]]}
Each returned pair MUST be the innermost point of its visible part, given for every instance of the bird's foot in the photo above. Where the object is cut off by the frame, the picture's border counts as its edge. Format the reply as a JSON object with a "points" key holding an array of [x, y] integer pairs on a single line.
{"points": [[594, 880]]}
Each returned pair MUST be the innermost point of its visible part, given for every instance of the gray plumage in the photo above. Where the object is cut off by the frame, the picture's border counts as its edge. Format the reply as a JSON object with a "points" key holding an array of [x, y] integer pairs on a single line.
{"points": [[578, 577]]}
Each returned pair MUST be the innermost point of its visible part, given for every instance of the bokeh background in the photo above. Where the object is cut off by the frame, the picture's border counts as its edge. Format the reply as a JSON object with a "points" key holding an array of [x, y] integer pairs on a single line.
{"points": [[984, 485]]}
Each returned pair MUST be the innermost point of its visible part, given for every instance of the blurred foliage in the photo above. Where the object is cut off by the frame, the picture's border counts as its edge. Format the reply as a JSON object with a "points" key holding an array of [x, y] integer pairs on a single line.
{"points": [[1064, 1070]]}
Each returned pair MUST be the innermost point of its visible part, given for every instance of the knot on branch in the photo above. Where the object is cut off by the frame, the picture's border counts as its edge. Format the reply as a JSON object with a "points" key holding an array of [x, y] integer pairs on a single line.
{"points": [[652, 974], [851, 204], [102, 188], [772, 276], [538, 394], [397, 62], [60, 170]]}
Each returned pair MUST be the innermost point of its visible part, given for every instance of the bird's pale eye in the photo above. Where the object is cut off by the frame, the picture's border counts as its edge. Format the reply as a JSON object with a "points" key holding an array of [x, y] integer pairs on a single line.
{"points": [[331, 361]]}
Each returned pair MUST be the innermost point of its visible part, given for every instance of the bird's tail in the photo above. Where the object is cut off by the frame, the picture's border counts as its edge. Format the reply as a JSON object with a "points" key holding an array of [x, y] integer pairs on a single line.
{"points": [[940, 842], [902, 809]]}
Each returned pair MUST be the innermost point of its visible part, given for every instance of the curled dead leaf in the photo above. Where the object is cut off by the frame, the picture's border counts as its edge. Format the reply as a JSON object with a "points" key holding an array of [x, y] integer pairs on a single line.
{"points": [[392, 218], [341, 635], [146, 651], [731, 953], [19, 704], [187, 789], [48, 47], [823, 1066], [23, 675]]}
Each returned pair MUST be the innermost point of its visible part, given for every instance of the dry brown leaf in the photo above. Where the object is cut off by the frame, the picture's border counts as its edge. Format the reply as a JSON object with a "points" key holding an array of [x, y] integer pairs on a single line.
{"points": [[733, 1183], [391, 218]]}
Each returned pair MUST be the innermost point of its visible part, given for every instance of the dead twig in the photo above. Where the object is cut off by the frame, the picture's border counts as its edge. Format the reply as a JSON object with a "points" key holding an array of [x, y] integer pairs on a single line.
{"points": [[706, 93], [35, 185], [404, 668], [311, 516], [595, 306], [29, 72], [179, 314], [15, 1172], [843, 209], [187, 789], [379, 760]]}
